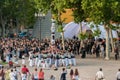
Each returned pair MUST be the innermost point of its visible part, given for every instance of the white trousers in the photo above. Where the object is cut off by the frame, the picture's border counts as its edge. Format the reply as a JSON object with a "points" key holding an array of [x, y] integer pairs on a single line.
{"points": [[24, 76], [74, 61], [39, 63], [66, 61], [70, 62]]}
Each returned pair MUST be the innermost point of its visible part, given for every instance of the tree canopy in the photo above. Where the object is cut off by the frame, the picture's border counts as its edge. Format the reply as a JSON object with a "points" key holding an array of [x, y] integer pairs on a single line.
{"points": [[14, 12], [103, 11]]}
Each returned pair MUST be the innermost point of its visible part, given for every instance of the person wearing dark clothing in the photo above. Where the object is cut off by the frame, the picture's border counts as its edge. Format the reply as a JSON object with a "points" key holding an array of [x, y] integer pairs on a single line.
{"points": [[2, 73], [116, 53], [83, 52], [63, 75], [2, 54], [97, 51]]}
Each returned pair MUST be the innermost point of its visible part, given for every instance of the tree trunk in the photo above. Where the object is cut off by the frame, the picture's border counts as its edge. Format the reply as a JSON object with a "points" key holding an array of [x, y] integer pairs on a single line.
{"points": [[107, 44], [81, 42], [3, 30], [17, 26], [63, 44], [3, 26], [111, 40]]}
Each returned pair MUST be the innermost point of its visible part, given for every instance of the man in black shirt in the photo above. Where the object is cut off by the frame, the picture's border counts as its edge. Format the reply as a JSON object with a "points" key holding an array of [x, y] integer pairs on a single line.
{"points": [[63, 75]]}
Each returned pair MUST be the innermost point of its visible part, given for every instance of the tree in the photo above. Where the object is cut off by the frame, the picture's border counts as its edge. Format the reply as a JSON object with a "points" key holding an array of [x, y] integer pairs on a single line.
{"points": [[56, 7], [14, 12], [113, 27], [103, 11], [79, 16], [3, 15], [25, 13]]}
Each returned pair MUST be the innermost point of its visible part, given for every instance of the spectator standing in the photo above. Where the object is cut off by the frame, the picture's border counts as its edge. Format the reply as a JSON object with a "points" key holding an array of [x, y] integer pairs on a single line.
{"points": [[63, 75], [102, 51], [76, 75], [35, 75], [71, 74], [2, 73], [41, 74], [12, 75], [99, 75], [7, 74], [16, 72], [116, 53], [118, 75], [25, 72]]}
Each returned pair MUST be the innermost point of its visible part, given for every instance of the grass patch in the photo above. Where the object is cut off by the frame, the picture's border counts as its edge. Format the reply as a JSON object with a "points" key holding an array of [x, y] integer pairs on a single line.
{"points": [[3, 63]]}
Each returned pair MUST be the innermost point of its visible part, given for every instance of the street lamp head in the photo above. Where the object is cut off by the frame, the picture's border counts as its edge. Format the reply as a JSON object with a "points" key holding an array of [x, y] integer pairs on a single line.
{"points": [[39, 15]]}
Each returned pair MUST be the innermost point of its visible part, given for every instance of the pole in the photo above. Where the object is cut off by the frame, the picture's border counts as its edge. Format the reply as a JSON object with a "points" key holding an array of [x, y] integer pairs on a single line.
{"points": [[40, 28]]}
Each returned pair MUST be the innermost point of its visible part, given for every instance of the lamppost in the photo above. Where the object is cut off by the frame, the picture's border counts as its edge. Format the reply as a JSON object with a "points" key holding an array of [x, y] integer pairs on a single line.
{"points": [[40, 17]]}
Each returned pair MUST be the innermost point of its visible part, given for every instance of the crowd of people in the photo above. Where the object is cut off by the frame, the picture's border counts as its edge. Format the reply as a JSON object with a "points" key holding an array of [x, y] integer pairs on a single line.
{"points": [[19, 47], [41, 54], [25, 74]]}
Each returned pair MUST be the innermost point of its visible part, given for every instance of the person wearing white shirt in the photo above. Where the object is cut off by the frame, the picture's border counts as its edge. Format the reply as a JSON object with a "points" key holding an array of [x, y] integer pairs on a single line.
{"points": [[118, 75], [31, 62], [102, 51], [36, 60], [12, 75], [23, 61], [99, 75]]}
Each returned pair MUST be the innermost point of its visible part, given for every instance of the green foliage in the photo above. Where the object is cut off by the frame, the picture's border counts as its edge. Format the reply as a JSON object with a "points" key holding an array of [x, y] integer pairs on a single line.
{"points": [[19, 11], [83, 36], [3, 63], [42, 5], [57, 7], [102, 10], [96, 32], [113, 27], [78, 12], [26, 12], [92, 26], [60, 28]]}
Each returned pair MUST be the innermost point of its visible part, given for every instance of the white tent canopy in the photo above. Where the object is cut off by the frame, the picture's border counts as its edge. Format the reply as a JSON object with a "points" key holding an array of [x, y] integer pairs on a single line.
{"points": [[73, 29]]}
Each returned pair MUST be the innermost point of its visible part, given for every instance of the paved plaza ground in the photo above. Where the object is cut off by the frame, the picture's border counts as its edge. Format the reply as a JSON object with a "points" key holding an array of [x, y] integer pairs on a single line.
{"points": [[87, 68]]}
